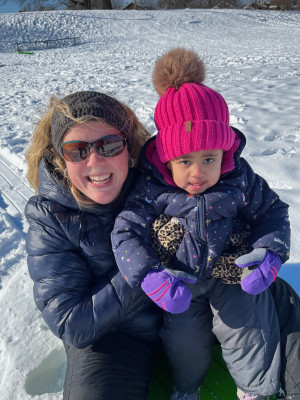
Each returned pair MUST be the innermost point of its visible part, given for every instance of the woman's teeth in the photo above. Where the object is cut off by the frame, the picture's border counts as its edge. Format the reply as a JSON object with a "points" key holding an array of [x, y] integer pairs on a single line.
{"points": [[100, 179]]}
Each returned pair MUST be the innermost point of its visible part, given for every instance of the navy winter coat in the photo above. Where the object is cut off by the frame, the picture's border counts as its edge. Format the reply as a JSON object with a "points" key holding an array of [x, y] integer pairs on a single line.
{"points": [[240, 198], [77, 287]]}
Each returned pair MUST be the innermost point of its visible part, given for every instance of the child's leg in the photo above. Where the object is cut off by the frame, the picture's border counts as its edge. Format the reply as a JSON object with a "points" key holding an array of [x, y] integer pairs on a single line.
{"points": [[247, 328], [188, 342], [287, 304]]}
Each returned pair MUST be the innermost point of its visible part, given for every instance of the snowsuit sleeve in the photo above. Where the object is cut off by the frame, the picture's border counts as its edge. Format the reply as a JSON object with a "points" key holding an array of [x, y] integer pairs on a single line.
{"points": [[131, 234], [77, 308], [266, 214]]}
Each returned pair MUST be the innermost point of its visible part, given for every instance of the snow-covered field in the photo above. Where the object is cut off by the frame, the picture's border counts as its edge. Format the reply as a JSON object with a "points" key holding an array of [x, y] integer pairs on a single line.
{"points": [[252, 58]]}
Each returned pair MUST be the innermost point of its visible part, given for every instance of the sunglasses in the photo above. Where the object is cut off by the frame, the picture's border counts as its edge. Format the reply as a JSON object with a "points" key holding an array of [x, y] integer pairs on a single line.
{"points": [[107, 146]]}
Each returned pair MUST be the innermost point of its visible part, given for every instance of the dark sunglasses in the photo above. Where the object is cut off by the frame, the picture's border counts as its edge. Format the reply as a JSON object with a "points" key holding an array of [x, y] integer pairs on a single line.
{"points": [[107, 146]]}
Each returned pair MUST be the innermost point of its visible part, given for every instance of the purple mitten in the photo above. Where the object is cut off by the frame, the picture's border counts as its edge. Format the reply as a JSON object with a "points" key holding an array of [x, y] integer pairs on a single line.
{"points": [[164, 287], [261, 269]]}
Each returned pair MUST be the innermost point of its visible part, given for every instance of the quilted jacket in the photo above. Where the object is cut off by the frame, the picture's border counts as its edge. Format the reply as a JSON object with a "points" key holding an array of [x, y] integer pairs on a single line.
{"points": [[240, 200], [77, 287]]}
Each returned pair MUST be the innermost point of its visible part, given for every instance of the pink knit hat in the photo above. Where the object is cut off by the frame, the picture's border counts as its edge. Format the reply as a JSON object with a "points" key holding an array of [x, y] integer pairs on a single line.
{"points": [[189, 116]]}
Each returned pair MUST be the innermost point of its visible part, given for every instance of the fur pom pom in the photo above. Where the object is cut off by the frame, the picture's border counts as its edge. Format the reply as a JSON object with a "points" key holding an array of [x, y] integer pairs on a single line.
{"points": [[176, 67]]}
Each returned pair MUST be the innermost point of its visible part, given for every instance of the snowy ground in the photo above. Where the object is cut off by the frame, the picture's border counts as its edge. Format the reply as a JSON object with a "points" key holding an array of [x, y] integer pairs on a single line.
{"points": [[252, 58]]}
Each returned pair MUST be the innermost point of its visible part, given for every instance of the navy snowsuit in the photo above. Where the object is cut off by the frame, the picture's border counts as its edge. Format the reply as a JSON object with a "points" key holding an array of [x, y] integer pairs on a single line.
{"points": [[241, 199]]}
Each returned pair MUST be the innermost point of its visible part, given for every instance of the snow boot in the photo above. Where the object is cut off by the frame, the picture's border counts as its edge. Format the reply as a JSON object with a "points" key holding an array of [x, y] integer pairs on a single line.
{"points": [[245, 396]]}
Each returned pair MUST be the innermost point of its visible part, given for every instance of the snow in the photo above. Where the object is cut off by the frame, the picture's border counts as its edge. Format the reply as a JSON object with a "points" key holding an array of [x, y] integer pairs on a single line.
{"points": [[252, 58]]}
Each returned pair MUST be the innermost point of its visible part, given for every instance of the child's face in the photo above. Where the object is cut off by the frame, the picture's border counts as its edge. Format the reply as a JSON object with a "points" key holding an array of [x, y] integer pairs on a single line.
{"points": [[197, 171]]}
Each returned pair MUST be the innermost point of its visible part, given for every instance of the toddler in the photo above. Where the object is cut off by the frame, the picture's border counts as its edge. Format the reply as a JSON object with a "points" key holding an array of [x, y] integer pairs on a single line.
{"points": [[193, 170]]}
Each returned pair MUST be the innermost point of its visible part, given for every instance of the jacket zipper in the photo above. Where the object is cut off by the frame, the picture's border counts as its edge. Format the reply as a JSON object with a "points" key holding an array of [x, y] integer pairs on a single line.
{"points": [[201, 216], [200, 203]]}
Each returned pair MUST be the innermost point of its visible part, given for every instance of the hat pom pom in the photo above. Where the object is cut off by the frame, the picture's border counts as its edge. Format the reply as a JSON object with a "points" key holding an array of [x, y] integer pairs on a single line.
{"points": [[177, 67]]}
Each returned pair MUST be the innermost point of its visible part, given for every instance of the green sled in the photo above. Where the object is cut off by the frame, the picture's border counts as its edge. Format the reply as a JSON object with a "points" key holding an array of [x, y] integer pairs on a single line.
{"points": [[25, 52], [218, 384]]}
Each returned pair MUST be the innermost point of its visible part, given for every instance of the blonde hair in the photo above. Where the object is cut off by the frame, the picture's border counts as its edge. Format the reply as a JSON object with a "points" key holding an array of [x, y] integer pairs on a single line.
{"points": [[42, 147]]}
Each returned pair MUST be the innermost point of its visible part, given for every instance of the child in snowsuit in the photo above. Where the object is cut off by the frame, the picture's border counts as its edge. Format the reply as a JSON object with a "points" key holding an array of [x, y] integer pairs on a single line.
{"points": [[193, 172]]}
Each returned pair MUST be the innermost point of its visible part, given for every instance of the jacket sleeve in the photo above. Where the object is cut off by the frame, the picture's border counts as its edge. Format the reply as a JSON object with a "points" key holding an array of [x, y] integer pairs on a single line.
{"points": [[132, 234], [75, 308], [266, 214]]}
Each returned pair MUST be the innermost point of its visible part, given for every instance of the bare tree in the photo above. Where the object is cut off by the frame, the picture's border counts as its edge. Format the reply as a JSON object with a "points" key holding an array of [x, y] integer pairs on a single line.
{"points": [[42, 5], [171, 4], [89, 4], [167, 4], [39, 5], [106, 5]]}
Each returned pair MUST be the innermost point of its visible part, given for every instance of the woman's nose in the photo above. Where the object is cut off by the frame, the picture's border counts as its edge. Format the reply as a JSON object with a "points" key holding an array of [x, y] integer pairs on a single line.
{"points": [[94, 157]]}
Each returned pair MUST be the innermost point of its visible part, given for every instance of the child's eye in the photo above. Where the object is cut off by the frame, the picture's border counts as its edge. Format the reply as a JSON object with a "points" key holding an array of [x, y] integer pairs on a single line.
{"points": [[184, 162], [208, 160]]}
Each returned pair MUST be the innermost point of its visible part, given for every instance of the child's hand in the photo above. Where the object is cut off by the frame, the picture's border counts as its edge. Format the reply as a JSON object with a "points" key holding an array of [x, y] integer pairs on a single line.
{"points": [[164, 287], [261, 269]]}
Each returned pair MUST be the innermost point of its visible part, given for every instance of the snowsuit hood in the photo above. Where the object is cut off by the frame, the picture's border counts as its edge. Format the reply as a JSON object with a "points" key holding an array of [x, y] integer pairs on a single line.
{"points": [[150, 160]]}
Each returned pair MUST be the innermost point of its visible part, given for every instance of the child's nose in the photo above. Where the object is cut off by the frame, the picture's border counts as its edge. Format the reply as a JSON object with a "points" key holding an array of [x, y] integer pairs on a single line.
{"points": [[197, 171]]}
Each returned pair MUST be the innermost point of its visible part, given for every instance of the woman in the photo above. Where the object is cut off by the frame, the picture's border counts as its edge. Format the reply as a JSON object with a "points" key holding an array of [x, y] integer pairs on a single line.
{"points": [[80, 164]]}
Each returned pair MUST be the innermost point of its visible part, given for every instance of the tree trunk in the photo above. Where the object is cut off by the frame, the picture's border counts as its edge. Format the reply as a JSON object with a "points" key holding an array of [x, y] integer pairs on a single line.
{"points": [[105, 5]]}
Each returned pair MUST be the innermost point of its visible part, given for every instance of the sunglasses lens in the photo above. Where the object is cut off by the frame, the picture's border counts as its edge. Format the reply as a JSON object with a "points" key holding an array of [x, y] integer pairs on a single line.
{"points": [[75, 151], [110, 146], [107, 146]]}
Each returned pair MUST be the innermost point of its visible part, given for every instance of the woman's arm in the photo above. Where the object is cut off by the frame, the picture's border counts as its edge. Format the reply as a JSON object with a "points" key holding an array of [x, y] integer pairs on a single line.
{"points": [[76, 308]]}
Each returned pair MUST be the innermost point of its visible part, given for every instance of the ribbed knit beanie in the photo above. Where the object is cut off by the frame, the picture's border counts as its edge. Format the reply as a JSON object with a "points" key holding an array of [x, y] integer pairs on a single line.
{"points": [[86, 104], [189, 116]]}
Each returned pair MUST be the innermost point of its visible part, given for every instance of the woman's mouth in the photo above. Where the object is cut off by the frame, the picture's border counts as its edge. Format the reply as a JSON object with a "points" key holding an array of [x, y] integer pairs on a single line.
{"points": [[100, 179]]}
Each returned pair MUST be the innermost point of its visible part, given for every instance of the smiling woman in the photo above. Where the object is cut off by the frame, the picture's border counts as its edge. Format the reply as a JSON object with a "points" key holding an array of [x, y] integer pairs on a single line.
{"points": [[91, 139], [98, 171], [80, 163]]}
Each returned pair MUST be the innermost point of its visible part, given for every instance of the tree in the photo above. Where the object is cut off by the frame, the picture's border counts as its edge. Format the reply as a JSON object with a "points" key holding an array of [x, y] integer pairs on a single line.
{"points": [[38, 5], [43, 5], [197, 3], [89, 5]]}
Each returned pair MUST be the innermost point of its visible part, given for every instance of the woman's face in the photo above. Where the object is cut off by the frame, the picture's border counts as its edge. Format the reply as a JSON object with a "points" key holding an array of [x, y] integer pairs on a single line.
{"points": [[99, 178]]}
